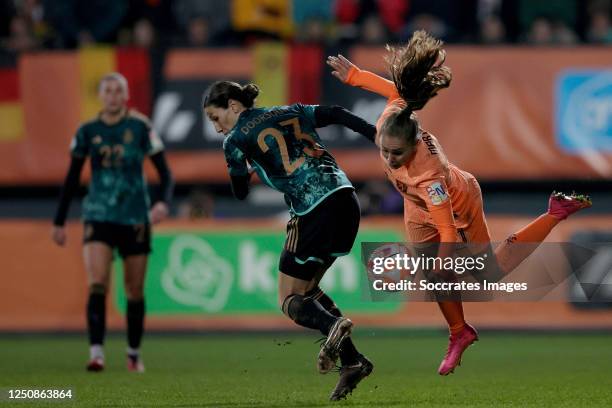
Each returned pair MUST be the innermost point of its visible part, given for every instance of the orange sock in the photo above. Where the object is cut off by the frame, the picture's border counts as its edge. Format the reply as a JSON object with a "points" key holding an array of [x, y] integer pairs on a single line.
{"points": [[453, 313], [537, 230], [509, 256]]}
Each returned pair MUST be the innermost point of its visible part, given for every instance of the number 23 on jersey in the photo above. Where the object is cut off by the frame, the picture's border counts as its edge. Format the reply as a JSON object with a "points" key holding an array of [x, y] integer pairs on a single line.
{"points": [[311, 147]]}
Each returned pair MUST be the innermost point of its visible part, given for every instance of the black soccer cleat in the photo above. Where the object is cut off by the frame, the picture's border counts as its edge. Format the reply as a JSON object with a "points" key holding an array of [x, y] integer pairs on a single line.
{"points": [[331, 348], [350, 376]]}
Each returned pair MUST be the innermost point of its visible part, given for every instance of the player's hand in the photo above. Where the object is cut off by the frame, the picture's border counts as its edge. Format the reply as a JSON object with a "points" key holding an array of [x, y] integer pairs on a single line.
{"points": [[58, 235], [159, 212], [341, 67]]}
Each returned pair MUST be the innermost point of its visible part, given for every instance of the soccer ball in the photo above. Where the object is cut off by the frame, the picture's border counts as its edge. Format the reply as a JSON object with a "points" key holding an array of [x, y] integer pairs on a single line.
{"points": [[378, 269]]}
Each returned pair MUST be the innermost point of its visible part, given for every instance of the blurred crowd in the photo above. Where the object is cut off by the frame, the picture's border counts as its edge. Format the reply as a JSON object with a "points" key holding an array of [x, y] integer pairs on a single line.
{"points": [[27, 25]]}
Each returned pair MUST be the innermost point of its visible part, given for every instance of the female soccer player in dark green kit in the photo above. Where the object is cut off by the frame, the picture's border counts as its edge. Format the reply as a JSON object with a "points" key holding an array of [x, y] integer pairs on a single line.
{"points": [[282, 146], [116, 210]]}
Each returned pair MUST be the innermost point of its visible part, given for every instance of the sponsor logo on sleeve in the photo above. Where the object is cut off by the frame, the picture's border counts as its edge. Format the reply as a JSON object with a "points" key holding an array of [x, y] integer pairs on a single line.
{"points": [[436, 193]]}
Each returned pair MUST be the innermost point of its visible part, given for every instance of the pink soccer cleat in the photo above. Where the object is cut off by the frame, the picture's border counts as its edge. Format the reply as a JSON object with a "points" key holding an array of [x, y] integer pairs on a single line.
{"points": [[456, 346], [561, 205]]}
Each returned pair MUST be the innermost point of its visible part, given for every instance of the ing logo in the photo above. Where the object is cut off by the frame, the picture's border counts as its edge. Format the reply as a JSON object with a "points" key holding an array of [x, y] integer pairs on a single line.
{"points": [[584, 111]]}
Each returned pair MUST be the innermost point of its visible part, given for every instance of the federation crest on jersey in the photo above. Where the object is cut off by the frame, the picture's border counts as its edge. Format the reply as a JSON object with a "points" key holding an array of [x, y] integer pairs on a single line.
{"points": [[128, 136], [437, 193]]}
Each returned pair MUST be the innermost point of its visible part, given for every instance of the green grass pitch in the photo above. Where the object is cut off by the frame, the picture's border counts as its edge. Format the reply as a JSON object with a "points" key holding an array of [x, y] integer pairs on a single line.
{"points": [[278, 370]]}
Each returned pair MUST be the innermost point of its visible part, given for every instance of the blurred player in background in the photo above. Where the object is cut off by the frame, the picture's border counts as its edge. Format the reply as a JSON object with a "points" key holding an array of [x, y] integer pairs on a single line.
{"points": [[116, 210], [282, 146], [442, 203]]}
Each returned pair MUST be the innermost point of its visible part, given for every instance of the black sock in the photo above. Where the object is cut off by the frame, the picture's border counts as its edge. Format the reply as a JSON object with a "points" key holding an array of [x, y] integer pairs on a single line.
{"points": [[96, 317], [348, 351], [309, 313], [135, 322]]}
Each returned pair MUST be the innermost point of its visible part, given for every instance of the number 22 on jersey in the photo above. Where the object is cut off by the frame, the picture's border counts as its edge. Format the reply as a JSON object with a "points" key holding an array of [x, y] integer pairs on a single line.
{"points": [[290, 166], [112, 156]]}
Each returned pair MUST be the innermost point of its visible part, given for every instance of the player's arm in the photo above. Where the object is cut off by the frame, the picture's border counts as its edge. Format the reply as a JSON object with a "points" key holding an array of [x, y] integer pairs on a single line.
{"points": [[69, 188], [166, 181], [79, 148], [350, 74], [240, 175], [337, 115], [445, 222], [153, 147], [240, 186], [439, 205]]}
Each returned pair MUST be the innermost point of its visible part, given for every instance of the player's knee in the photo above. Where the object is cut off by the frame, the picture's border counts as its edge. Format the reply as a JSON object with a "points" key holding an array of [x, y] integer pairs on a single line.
{"points": [[292, 305], [97, 289], [281, 301], [134, 291]]}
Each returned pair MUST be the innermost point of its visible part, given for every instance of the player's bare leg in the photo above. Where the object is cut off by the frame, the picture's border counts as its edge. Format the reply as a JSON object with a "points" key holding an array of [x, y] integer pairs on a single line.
{"points": [[98, 258], [135, 268]]}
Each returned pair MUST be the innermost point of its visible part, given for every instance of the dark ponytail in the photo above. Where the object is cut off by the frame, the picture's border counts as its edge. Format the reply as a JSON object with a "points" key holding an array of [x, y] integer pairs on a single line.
{"points": [[418, 69], [249, 93], [220, 92]]}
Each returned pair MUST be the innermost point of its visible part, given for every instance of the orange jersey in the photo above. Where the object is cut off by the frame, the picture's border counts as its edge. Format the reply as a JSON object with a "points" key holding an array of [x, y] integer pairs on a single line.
{"points": [[436, 193]]}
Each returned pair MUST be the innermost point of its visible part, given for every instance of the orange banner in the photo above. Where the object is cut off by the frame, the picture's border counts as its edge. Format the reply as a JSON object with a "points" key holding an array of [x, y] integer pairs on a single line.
{"points": [[510, 113], [44, 286], [498, 121]]}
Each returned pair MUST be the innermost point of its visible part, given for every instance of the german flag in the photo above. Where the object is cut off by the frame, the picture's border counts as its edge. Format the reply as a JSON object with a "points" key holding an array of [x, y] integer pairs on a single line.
{"points": [[43, 98], [95, 62], [11, 110], [287, 74]]}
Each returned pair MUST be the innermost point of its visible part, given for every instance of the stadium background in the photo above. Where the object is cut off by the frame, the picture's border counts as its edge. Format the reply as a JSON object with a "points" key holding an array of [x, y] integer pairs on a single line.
{"points": [[529, 111]]}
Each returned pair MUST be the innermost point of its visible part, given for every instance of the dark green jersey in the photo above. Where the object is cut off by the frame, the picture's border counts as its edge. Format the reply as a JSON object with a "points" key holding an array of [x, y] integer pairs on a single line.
{"points": [[283, 147], [117, 190]]}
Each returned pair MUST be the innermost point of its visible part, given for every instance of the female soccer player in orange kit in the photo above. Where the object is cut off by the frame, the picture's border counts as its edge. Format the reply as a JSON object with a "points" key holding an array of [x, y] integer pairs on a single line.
{"points": [[442, 203]]}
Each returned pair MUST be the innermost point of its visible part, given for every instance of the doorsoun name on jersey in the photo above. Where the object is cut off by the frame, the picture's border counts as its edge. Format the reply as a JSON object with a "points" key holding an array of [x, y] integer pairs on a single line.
{"points": [[259, 119]]}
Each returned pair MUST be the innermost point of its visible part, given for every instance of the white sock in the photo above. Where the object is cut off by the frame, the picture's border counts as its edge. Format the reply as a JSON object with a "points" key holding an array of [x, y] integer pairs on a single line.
{"points": [[96, 351], [133, 352]]}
